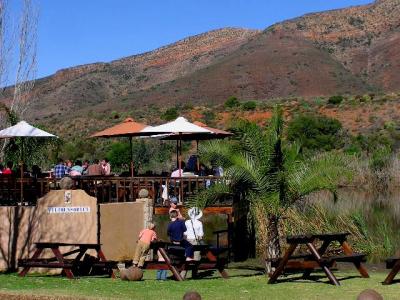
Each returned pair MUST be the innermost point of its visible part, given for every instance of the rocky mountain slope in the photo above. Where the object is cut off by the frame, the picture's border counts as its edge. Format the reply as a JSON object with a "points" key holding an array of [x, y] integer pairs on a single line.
{"points": [[352, 50]]}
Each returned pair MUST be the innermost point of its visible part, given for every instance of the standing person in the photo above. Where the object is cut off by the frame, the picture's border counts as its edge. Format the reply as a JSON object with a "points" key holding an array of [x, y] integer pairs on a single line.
{"points": [[95, 169], [176, 229], [146, 236], [161, 274], [194, 233], [60, 169], [173, 205], [105, 164]]}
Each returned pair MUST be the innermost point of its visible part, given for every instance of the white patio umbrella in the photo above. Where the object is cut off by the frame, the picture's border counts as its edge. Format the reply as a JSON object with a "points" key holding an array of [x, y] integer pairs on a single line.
{"points": [[24, 130], [180, 127]]}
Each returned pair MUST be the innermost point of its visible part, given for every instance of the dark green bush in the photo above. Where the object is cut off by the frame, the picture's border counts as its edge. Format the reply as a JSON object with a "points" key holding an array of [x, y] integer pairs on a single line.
{"points": [[315, 132], [335, 100], [232, 102], [249, 105], [170, 114]]}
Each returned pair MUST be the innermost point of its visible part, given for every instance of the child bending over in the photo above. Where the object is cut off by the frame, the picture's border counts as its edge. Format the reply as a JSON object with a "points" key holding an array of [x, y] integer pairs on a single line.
{"points": [[146, 236]]}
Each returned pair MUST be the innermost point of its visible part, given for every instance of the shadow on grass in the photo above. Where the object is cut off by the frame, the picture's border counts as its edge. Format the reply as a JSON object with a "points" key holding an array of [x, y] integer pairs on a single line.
{"points": [[319, 278]]}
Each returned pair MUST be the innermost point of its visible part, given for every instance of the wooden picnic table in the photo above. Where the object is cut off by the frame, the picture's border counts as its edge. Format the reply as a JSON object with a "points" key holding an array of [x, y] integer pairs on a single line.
{"points": [[175, 261], [60, 259], [392, 263], [315, 258]]}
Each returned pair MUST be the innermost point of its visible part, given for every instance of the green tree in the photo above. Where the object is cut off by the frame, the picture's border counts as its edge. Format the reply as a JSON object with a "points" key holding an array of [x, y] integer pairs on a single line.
{"points": [[270, 174], [315, 132]]}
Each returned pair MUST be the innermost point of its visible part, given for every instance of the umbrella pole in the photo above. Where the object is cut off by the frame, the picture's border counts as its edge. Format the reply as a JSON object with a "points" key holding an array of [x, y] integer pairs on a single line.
{"points": [[180, 168], [22, 171], [177, 154], [131, 151], [197, 151]]}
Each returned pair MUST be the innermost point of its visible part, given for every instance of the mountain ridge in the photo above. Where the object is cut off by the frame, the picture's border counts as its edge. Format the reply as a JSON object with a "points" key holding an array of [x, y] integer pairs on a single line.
{"points": [[341, 51]]}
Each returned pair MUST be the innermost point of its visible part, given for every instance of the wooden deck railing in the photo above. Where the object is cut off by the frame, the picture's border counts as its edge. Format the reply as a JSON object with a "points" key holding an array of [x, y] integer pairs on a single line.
{"points": [[106, 188]]}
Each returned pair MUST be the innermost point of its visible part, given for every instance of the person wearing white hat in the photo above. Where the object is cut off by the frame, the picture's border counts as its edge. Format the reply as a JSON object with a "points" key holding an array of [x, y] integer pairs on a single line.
{"points": [[194, 233]]}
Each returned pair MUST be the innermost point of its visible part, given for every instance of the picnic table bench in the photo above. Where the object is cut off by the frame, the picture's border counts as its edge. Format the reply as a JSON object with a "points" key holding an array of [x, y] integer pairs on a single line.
{"points": [[69, 265], [392, 263], [175, 261], [317, 258]]}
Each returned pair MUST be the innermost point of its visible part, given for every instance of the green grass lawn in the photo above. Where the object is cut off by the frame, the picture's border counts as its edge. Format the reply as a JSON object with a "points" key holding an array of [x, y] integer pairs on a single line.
{"points": [[243, 284]]}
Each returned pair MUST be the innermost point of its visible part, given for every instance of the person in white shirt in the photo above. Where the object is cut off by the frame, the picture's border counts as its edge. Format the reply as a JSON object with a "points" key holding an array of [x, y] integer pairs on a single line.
{"points": [[178, 172], [194, 229]]}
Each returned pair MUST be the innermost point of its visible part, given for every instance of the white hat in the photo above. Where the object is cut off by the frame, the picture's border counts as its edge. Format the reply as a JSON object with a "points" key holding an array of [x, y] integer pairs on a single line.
{"points": [[195, 213]]}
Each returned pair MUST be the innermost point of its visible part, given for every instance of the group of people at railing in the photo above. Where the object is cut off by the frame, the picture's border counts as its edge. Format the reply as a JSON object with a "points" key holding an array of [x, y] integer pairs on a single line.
{"points": [[67, 168]]}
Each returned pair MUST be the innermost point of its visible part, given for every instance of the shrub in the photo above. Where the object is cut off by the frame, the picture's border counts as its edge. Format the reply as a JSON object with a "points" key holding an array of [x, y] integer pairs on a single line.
{"points": [[232, 102], [315, 132], [249, 105], [170, 114], [335, 100]]}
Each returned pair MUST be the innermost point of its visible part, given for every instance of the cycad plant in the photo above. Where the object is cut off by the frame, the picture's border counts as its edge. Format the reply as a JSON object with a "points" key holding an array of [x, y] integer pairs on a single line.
{"points": [[270, 174]]}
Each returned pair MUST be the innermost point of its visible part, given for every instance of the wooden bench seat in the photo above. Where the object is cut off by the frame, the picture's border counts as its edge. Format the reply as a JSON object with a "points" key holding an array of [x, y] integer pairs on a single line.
{"points": [[355, 257]]}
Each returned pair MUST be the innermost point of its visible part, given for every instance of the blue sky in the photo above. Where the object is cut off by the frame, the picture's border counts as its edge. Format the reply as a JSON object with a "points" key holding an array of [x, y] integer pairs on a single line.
{"points": [[74, 32]]}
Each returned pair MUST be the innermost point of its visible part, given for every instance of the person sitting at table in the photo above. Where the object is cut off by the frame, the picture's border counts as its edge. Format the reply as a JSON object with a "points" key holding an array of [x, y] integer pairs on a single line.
{"points": [[178, 172], [175, 231], [36, 172], [60, 169], [85, 166], [146, 236], [8, 170], [194, 233], [77, 169], [95, 169]]}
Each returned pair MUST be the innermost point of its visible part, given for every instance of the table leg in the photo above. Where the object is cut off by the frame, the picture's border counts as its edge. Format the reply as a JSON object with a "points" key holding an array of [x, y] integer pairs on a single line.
{"points": [[220, 266], [102, 257], [35, 255], [393, 273], [60, 259], [327, 271], [283, 263], [321, 252], [169, 264], [348, 251]]}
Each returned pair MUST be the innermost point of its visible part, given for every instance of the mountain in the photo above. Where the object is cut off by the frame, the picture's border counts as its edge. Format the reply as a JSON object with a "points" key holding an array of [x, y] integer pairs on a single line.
{"points": [[352, 50]]}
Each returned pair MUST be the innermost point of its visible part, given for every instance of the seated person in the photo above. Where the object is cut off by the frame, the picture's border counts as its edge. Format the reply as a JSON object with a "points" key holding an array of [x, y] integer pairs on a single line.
{"points": [[178, 172], [176, 229], [37, 172], [8, 170], [95, 169], [77, 169]]}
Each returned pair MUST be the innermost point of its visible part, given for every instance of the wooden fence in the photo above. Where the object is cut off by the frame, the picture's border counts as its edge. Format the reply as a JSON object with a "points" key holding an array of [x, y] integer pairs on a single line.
{"points": [[106, 188]]}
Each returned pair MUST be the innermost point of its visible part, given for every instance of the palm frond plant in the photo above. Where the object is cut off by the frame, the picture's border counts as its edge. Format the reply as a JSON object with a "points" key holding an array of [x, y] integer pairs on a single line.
{"points": [[269, 174]]}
